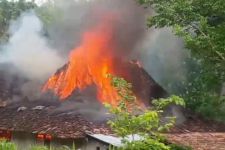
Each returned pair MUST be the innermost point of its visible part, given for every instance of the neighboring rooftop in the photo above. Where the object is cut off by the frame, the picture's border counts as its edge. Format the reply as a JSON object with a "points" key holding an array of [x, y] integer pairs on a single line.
{"points": [[45, 120]]}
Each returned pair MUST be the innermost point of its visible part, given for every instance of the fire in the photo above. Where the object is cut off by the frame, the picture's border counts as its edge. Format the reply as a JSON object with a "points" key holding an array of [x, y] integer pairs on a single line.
{"points": [[88, 65]]}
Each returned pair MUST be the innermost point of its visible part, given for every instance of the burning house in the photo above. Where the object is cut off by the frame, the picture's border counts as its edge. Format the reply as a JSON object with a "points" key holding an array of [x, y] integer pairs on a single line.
{"points": [[68, 105], [47, 122]]}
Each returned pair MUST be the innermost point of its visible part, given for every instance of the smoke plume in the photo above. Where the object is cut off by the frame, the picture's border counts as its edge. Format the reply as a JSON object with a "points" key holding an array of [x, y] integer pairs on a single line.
{"points": [[28, 49], [78, 17], [163, 56]]}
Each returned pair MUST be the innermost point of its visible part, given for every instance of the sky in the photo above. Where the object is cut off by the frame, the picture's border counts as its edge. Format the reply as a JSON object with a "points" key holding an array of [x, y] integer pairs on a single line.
{"points": [[39, 2]]}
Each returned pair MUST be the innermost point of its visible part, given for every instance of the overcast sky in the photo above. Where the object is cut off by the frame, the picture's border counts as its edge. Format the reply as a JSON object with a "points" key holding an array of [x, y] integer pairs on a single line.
{"points": [[39, 2]]}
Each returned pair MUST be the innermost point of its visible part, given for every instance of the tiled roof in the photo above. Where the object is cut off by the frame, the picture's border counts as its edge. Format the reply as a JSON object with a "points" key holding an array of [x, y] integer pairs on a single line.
{"points": [[43, 121]]}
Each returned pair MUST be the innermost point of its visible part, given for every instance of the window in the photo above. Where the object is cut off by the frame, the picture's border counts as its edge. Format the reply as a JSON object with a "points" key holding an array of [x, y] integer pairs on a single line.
{"points": [[98, 148]]}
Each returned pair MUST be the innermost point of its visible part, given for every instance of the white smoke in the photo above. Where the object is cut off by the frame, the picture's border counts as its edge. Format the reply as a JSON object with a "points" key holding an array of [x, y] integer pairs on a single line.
{"points": [[28, 49]]}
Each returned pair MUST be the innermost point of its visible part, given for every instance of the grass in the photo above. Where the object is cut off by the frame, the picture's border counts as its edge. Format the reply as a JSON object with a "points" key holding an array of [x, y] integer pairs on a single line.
{"points": [[39, 148], [4, 145], [7, 145]]}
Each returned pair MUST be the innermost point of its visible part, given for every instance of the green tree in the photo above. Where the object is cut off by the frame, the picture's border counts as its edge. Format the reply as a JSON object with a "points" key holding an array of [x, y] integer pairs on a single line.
{"points": [[130, 119], [202, 26], [10, 10], [49, 13]]}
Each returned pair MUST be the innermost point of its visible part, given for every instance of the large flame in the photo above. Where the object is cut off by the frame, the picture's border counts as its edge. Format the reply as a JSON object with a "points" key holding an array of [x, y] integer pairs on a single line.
{"points": [[88, 65]]}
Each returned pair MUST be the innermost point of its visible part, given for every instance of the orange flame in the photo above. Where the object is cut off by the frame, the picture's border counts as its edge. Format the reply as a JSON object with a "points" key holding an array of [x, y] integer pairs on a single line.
{"points": [[88, 64]]}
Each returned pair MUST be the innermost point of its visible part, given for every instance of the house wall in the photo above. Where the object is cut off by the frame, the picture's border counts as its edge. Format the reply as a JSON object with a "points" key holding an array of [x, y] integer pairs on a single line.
{"points": [[78, 143], [23, 140], [92, 144]]}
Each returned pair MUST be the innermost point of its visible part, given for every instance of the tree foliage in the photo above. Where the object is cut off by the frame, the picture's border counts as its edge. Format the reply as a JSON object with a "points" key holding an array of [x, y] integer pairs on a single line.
{"points": [[10, 10], [49, 13], [132, 119], [202, 26]]}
